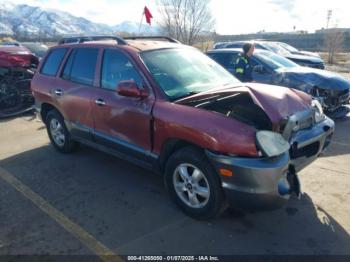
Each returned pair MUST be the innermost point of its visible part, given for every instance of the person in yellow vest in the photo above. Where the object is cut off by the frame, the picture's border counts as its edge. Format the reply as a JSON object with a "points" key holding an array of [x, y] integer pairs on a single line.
{"points": [[243, 68]]}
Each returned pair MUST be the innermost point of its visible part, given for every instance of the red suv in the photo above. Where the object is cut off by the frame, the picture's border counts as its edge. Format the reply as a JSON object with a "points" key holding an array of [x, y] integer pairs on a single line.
{"points": [[168, 107]]}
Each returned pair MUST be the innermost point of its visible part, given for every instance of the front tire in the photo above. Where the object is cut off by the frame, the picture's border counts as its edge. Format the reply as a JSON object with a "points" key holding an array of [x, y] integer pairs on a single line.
{"points": [[58, 133], [193, 184]]}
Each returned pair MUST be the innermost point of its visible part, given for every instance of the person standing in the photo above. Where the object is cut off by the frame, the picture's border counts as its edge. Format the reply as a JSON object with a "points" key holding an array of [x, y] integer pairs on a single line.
{"points": [[243, 68]]}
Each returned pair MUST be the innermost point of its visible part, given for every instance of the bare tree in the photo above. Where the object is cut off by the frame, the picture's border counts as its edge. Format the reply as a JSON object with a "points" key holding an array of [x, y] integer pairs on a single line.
{"points": [[185, 20], [334, 40]]}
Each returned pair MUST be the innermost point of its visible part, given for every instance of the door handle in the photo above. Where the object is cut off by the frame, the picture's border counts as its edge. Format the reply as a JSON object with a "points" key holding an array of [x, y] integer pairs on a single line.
{"points": [[58, 92], [100, 102]]}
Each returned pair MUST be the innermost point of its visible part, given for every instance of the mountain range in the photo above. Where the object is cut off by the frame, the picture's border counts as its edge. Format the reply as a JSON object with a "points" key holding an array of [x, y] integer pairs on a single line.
{"points": [[32, 21]]}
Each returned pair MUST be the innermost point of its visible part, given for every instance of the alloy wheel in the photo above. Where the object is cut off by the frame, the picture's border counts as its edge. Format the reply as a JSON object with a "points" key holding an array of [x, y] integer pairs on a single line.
{"points": [[191, 185], [57, 132]]}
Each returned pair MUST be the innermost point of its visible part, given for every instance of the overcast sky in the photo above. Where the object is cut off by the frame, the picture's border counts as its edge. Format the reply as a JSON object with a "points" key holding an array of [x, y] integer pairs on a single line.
{"points": [[232, 16]]}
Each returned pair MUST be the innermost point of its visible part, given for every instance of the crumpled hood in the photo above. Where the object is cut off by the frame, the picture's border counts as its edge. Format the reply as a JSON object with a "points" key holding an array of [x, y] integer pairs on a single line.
{"points": [[313, 77], [276, 101]]}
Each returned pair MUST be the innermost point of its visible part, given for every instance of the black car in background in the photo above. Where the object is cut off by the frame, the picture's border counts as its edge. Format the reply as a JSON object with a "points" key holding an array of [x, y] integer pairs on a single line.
{"points": [[299, 58], [330, 89]]}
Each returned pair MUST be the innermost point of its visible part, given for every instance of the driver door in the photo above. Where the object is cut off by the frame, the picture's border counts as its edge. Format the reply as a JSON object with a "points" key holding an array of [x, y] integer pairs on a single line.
{"points": [[122, 123], [263, 76]]}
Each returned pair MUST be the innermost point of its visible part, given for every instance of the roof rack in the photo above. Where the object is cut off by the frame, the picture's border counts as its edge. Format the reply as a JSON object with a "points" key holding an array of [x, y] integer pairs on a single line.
{"points": [[166, 38], [82, 39]]}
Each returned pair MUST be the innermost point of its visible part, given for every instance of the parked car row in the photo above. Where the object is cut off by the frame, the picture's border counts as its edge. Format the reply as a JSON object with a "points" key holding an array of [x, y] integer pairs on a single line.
{"points": [[330, 89], [170, 108], [302, 58]]}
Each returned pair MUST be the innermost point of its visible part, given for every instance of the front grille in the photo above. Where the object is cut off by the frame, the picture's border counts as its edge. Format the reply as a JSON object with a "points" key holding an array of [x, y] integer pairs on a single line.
{"points": [[337, 98], [343, 92], [306, 151]]}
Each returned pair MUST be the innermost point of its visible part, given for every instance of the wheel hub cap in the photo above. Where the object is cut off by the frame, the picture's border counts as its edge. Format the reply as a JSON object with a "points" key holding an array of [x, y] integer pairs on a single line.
{"points": [[57, 132], [191, 185]]}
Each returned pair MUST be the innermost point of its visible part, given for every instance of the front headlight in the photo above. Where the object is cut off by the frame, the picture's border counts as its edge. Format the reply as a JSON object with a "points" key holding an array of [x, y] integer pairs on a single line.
{"points": [[271, 143], [319, 115]]}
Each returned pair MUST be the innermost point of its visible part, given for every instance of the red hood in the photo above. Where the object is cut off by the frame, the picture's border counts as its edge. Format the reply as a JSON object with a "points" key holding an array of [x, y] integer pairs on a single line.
{"points": [[276, 101]]}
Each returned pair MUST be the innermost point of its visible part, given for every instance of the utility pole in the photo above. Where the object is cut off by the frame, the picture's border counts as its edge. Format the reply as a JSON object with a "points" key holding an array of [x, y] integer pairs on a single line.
{"points": [[329, 16]]}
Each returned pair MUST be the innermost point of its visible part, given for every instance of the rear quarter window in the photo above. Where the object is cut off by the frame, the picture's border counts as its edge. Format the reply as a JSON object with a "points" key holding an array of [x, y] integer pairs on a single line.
{"points": [[81, 65], [53, 61]]}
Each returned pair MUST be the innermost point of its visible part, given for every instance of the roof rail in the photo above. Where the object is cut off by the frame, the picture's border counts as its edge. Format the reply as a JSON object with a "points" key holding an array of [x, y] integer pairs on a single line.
{"points": [[166, 38], [82, 39]]}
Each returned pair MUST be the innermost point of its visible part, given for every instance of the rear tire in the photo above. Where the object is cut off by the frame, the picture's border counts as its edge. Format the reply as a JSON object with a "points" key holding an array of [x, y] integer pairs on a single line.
{"points": [[58, 133], [194, 185]]}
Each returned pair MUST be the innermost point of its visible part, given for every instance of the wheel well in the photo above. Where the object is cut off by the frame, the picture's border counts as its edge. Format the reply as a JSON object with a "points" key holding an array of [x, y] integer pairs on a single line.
{"points": [[171, 146], [46, 108]]}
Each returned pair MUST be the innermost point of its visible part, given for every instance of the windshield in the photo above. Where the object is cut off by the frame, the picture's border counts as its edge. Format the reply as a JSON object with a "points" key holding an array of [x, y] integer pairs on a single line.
{"points": [[274, 61], [276, 49], [289, 47], [183, 72]]}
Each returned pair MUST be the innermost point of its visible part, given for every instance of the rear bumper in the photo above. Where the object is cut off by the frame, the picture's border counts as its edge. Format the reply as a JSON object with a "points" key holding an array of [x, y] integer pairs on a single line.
{"points": [[267, 183]]}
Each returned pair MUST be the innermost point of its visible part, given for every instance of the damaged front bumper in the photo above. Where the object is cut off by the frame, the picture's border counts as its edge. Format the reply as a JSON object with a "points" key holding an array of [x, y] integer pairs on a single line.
{"points": [[267, 183], [332, 100], [307, 144], [256, 183]]}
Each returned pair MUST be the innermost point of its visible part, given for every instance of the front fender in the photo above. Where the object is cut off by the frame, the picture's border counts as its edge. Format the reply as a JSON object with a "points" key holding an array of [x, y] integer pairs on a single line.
{"points": [[208, 130]]}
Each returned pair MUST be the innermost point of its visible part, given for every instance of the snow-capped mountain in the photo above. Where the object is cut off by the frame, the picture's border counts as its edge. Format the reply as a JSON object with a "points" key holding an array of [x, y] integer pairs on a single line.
{"points": [[31, 21]]}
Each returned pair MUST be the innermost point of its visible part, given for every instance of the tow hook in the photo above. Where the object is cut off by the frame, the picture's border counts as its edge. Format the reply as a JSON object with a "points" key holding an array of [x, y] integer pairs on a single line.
{"points": [[294, 182]]}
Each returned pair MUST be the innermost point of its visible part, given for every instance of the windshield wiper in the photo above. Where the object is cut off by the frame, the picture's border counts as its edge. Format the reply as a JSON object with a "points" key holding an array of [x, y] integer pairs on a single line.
{"points": [[186, 95]]}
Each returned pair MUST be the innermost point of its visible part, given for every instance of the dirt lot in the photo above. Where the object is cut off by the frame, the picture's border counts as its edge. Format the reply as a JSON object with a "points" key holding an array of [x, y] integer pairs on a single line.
{"points": [[90, 202], [342, 64]]}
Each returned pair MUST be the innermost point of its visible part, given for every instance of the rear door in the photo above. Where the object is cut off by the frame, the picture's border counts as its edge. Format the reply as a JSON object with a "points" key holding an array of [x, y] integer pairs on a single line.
{"points": [[122, 123], [73, 90]]}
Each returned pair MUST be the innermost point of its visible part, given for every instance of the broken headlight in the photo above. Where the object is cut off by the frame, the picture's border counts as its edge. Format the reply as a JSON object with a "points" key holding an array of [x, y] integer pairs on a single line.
{"points": [[271, 143], [319, 115]]}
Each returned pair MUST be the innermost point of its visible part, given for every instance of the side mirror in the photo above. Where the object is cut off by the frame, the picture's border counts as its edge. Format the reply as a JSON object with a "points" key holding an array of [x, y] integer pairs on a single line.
{"points": [[129, 88], [259, 69]]}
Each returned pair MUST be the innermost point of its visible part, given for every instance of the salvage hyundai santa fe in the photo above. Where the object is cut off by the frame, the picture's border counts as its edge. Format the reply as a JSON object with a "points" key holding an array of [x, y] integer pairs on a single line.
{"points": [[170, 108]]}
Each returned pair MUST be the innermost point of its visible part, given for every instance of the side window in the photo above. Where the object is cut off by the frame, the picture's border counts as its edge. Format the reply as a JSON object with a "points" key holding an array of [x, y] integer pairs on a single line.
{"points": [[68, 67], [117, 67], [232, 60], [53, 61], [234, 46], [227, 60], [254, 62], [81, 66], [218, 58]]}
